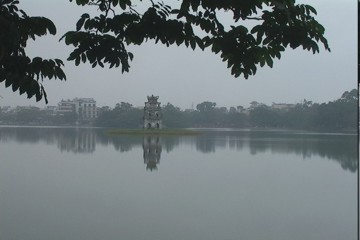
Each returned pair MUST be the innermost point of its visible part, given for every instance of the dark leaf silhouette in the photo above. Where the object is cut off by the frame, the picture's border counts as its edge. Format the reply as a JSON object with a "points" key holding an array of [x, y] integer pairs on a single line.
{"points": [[103, 39]]}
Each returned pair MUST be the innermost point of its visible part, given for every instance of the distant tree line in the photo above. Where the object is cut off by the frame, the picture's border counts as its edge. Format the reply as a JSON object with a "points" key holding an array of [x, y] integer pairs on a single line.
{"points": [[123, 115], [340, 114], [36, 116]]}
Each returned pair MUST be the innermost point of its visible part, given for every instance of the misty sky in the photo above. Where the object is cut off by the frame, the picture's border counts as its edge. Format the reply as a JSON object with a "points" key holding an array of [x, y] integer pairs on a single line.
{"points": [[185, 77]]}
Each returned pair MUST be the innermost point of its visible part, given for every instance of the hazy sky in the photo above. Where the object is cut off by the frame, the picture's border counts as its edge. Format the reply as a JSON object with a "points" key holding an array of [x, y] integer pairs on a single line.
{"points": [[185, 77]]}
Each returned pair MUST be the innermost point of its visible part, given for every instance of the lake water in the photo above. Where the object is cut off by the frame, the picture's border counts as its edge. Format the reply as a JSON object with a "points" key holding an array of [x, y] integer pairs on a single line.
{"points": [[81, 184]]}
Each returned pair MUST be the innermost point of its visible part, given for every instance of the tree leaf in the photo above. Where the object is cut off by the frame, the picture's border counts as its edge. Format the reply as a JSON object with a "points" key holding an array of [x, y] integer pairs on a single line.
{"points": [[269, 61]]}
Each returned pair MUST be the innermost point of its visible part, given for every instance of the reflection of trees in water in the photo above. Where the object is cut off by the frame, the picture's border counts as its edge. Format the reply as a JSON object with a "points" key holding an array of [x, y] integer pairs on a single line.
{"points": [[209, 142], [152, 146], [205, 144], [121, 143], [78, 140], [342, 148], [234, 143], [27, 135], [170, 142], [124, 143]]}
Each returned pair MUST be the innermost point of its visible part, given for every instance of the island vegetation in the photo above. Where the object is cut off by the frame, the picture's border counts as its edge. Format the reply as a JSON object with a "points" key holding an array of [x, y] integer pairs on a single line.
{"points": [[153, 132]]}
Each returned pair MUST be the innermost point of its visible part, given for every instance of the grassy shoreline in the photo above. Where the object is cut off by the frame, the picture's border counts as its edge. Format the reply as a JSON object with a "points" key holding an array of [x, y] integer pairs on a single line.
{"points": [[179, 132]]}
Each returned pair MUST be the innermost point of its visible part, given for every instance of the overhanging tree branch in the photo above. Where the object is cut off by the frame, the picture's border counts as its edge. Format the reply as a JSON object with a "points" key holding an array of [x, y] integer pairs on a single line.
{"points": [[103, 39]]}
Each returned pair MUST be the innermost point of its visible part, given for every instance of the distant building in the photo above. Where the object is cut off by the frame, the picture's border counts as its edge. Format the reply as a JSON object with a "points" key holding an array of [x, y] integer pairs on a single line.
{"points": [[50, 110], [85, 108], [152, 113], [65, 106], [7, 109], [282, 106], [24, 108]]}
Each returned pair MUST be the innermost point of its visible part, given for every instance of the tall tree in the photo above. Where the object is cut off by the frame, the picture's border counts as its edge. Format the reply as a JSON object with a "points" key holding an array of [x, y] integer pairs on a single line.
{"points": [[103, 39], [18, 70], [206, 106]]}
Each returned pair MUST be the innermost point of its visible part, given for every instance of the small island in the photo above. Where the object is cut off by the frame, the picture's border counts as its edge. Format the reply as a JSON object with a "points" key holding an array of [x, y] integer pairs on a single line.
{"points": [[144, 132], [152, 122]]}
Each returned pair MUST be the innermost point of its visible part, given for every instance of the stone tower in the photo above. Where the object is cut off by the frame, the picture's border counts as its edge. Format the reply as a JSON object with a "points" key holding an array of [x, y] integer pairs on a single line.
{"points": [[152, 113]]}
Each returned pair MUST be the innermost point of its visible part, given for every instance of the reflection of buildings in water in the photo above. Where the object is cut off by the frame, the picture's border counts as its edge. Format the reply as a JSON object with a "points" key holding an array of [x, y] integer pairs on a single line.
{"points": [[82, 141], [342, 148], [152, 151], [235, 143]]}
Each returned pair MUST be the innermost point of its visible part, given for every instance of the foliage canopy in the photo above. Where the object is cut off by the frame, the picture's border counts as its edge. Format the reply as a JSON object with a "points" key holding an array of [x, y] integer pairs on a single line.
{"points": [[258, 32]]}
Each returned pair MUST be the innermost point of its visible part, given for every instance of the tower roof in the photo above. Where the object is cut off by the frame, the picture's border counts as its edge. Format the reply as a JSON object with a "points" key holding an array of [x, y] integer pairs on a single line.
{"points": [[152, 99]]}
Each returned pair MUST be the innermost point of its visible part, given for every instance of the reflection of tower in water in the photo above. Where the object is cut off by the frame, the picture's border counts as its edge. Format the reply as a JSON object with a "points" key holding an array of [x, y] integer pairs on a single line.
{"points": [[152, 152]]}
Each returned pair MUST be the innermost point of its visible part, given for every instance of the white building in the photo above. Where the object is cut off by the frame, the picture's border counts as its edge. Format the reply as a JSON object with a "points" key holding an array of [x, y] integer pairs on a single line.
{"points": [[51, 110], [85, 108], [282, 106], [65, 106], [6, 109]]}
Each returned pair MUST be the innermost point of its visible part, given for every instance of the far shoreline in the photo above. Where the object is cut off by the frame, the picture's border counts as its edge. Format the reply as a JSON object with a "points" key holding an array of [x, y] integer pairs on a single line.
{"points": [[183, 131]]}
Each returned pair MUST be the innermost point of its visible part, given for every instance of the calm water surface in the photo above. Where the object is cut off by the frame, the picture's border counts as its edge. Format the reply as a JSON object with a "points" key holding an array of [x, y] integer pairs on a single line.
{"points": [[81, 184]]}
